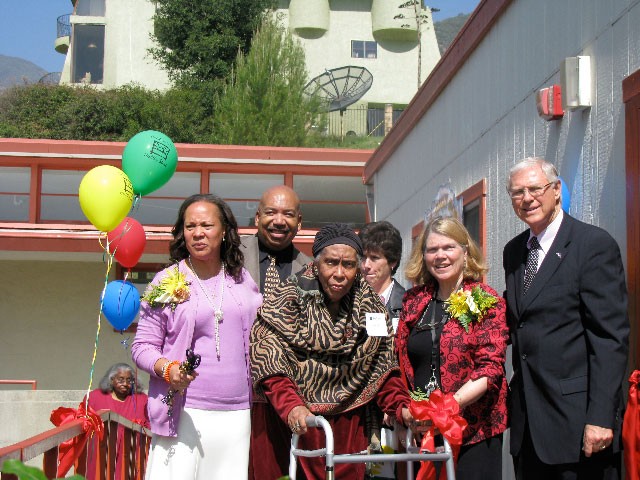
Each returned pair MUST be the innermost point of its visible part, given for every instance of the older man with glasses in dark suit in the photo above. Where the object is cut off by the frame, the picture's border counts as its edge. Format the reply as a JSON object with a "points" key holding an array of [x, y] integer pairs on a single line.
{"points": [[567, 313]]}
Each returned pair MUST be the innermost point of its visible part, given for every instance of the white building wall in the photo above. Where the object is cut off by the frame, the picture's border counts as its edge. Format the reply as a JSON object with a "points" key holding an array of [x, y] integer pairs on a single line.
{"points": [[127, 41], [395, 70], [50, 319], [486, 120]]}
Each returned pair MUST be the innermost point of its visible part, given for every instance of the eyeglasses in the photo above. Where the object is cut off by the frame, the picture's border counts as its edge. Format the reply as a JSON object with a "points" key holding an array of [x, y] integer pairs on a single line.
{"points": [[124, 380], [534, 191]]}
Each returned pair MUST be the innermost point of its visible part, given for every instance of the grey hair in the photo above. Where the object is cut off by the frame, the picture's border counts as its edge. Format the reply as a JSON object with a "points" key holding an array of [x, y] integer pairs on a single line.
{"points": [[105, 383], [548, 168]]}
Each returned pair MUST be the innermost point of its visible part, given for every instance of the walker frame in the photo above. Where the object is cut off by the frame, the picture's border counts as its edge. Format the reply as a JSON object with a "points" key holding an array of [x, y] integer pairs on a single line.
{"points": [[413, 453]]}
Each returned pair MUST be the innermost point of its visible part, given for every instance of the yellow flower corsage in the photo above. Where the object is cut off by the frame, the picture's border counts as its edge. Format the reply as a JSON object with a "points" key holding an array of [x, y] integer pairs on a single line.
{"points": [[468, 306], [172, 289]]}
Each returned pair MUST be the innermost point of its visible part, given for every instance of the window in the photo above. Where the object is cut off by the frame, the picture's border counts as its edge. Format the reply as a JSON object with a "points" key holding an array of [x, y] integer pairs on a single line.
{"points": [[88, 53], [331, 199], [364, 49], [474, 213], [161, 206], [14, 194], [242, 192], [59, 196], [140, 276]]}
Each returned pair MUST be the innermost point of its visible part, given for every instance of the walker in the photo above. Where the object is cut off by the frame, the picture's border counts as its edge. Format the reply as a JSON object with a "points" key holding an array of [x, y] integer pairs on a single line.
{"points": [[413, 453]]}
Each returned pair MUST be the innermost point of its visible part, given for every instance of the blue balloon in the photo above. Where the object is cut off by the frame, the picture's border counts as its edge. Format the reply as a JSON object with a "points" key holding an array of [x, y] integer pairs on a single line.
{"points": [[566, 196], [120, 303]]}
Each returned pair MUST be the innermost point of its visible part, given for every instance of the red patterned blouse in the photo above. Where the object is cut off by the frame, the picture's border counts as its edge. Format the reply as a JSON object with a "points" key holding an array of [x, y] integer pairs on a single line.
{"points": [[464, 356]]}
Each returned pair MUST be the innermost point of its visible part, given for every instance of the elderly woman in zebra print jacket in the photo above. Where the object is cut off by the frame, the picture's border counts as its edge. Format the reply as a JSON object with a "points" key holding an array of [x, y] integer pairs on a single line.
{"points": [[315, 350]]}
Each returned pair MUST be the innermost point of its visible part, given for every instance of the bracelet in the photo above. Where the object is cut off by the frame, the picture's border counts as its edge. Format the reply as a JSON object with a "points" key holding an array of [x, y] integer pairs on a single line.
{"points": [[167, 368]]}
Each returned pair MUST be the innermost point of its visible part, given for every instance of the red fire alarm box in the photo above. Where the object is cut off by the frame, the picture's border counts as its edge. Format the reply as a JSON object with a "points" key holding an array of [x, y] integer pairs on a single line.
{"points": [[549, 102]]}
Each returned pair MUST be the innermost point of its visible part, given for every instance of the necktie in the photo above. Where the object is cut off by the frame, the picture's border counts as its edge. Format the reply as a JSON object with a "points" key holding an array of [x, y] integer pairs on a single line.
{"points": [[272, 277], [531, 268]]}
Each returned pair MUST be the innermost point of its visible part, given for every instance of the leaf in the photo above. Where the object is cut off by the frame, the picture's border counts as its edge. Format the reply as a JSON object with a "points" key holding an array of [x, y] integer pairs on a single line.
{"points": [[465, 320], [418, 395], [24, 472]]}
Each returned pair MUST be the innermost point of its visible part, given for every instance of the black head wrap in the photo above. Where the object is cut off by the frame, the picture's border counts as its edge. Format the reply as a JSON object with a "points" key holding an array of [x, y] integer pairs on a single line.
{"points": [[336, 233]]}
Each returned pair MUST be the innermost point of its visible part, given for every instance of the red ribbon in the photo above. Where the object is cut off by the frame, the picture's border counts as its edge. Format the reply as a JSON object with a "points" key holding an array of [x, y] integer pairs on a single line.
{"points": [[444, 413], [69, 450], [631, 429]]}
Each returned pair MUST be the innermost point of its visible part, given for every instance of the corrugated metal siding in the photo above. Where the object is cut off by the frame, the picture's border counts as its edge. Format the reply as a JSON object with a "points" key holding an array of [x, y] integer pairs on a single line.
{"points": [[486, 120]]}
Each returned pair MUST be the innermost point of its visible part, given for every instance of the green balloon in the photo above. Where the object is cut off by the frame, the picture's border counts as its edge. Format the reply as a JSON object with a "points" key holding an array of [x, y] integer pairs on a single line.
{"points": [[149, 159]]}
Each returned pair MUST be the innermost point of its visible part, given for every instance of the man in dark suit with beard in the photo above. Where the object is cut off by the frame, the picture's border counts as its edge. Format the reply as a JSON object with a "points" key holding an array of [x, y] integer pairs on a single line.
{"points": [[567, 312]]}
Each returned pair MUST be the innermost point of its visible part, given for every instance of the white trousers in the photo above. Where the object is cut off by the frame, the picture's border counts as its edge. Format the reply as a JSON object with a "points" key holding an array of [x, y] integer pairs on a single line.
{"points": [[211, 445]]}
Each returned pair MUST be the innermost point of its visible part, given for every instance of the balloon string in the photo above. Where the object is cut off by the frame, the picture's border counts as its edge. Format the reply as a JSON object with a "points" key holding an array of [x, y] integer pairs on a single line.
{"points": [[109, 261]]}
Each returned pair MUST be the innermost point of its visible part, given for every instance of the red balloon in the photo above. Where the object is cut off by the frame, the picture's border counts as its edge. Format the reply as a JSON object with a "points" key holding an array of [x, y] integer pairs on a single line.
{"points": [[127, 242]]}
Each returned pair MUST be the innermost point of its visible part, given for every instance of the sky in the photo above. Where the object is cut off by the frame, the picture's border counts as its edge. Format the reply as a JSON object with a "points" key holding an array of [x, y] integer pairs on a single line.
{"points": [[29, 27]]}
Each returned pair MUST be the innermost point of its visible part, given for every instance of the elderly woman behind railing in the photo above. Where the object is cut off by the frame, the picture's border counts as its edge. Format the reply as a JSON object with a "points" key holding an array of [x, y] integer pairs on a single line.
{"points": [[120, 392]]}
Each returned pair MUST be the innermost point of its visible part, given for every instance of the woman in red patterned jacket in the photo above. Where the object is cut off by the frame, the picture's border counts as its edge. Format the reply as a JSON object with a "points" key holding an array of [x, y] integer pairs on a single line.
{"points": [[453, 335]]}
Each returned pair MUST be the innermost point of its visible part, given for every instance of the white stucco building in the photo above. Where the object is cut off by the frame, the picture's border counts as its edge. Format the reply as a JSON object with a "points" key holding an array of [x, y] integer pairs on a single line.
{"points": [[107, 43], [365, 33]]}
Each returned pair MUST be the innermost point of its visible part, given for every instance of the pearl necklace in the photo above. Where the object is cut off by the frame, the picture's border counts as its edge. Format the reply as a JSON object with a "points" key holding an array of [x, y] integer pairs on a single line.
{"points": [[217, 312]]}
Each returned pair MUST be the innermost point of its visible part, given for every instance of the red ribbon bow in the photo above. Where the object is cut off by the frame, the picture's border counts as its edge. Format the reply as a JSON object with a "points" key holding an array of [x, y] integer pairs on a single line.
{"points": [[631, 429], [444, 413], [69, 450]]}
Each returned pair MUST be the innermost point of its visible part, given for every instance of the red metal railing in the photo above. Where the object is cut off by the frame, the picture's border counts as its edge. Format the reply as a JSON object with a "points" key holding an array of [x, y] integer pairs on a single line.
{"points": [[131, 445], [33, 383]]}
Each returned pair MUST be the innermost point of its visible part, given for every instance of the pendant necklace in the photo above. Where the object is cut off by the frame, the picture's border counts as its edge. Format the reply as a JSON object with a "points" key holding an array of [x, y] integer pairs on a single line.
{"points": [[217, 312]]}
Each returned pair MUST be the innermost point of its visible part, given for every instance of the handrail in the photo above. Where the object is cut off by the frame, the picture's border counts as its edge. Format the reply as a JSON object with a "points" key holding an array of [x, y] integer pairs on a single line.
{"points": [[64, 26], [47, 443], [33, 383]]}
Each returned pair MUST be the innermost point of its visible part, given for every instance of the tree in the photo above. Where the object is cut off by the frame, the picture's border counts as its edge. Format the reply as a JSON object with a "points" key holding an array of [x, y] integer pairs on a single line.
{"points": [[420, 19], [199, 39], [264, 103]]}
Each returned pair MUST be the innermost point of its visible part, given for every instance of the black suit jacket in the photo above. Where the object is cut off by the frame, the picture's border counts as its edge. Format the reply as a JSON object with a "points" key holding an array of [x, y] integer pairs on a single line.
{"points": [[570, 340], [394, 305]]}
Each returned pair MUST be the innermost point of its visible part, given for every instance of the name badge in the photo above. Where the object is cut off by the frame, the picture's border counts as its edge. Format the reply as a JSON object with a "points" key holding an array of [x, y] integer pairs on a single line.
{"points": [[376, 325]]}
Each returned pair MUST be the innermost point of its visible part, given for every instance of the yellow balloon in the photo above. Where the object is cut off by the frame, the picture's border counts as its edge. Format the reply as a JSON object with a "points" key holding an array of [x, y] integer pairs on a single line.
{"points": [[105, 196]]}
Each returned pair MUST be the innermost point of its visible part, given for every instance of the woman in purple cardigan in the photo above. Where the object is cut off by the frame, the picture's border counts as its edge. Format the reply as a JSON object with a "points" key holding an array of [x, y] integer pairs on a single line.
{"points": [[205, 302]]}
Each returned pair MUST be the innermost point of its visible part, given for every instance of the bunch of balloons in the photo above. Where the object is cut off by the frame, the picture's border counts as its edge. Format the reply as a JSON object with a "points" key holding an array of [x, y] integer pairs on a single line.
{"points": [[106, 195]]}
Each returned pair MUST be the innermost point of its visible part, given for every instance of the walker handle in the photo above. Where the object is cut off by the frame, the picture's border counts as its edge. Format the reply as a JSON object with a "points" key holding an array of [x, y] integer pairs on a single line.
{"points": [[310, 420]]}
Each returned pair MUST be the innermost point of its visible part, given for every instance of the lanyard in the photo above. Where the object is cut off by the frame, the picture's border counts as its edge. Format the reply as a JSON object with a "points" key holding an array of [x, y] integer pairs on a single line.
{"points": [[433, 381]]}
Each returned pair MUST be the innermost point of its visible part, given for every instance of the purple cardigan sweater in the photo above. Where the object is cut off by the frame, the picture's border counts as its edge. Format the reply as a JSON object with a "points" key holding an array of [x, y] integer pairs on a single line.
{"points": [[163, 332]]}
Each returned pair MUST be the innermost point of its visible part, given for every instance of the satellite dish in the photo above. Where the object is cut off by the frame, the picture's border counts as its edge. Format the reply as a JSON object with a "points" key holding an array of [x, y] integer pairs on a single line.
{"points": [[340, 87], [52, 78]]}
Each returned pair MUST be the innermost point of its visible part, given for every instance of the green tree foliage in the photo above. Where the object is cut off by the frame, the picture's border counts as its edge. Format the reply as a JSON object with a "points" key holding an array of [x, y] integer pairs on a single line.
{"points": [[198, 39], [263, 103]]}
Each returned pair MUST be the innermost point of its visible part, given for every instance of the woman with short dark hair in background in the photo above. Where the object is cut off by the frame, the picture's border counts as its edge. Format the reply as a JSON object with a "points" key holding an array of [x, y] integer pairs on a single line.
{"points": [[382, 247]]}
